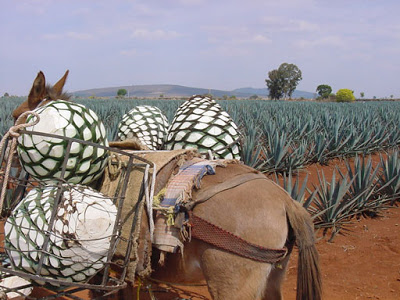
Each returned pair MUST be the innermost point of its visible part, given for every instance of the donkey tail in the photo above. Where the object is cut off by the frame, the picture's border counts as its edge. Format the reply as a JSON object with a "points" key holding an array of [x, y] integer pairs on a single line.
{"points": [[309, 284]]}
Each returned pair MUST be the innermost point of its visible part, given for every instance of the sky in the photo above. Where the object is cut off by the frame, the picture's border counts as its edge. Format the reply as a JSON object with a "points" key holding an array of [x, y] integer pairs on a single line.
{"points": [[213, 44]]}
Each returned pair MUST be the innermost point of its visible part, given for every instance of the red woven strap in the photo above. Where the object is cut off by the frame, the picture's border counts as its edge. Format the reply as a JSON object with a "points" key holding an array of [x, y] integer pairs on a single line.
{"points": [[220, 238]]}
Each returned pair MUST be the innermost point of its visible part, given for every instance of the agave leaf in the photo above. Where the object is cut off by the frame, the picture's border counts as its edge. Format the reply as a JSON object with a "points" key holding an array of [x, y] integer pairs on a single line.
{"points": [[364, 178], [252, 149], [297, 191], [331, 207], [389, 180], [276, 149]]}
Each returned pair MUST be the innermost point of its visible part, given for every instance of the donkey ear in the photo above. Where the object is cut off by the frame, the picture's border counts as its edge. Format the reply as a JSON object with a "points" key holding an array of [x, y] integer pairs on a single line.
{"points": [[58, 87], [38, 90]]}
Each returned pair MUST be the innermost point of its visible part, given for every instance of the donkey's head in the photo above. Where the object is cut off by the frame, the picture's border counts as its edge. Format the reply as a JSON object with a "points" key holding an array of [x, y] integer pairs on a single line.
{"points": [[41, 93]]}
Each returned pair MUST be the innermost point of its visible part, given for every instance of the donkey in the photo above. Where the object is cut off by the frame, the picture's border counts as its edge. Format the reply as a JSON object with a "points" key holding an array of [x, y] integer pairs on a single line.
{"points": [[258, 211], [41, 93]]}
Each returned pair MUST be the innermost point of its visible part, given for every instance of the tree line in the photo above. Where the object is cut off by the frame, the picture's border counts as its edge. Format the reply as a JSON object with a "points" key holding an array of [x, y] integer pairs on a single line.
{"points": [[282, 82]]}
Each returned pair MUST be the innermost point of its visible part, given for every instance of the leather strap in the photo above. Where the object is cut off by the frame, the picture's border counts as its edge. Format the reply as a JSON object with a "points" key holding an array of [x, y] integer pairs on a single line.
{"points": [[222, 239], [205, 194]]}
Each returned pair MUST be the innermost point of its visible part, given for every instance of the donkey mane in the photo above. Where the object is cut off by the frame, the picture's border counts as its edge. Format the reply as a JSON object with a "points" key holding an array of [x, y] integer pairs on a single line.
{"points": [[41, 93], [51, 94]]}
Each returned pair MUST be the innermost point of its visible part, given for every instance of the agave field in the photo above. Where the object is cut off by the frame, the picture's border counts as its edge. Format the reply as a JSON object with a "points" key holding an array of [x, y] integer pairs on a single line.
{"points": [[280, 138]]}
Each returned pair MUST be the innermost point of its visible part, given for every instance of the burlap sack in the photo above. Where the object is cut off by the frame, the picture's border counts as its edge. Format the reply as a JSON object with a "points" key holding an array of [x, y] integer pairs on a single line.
{"points": [[165, 162]]}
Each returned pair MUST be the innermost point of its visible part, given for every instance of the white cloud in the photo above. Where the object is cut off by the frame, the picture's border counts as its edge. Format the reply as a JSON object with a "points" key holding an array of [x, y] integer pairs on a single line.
{"points": [[38, 7], [293, 25], [234, 35], [68, 35], [82, 11], [145, 10], [227, 51], [390, 32], [192, 2], [329, 41], [358, 55], [250, 39], [157, 34], [259, 38], [79, 35], [52, 36], [301, 25], [130, 52]]}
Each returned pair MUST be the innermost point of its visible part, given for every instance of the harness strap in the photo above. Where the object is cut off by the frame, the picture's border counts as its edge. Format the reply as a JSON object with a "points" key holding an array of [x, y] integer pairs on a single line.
{"points": [[205, 194], [220, 238]]}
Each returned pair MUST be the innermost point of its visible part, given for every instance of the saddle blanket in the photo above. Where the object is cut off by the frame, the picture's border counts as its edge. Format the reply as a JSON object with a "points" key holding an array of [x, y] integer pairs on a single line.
{"points": [[179, 191]]}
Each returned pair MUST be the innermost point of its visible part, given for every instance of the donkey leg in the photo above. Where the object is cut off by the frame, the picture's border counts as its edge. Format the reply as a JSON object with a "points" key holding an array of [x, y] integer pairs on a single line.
{"points": [[231, 277], [275, 280]]}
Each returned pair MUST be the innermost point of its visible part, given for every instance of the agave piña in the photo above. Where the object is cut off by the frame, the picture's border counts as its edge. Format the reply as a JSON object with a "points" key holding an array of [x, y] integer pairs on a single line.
{"points": [[79, 239], [202, 124], [146, 123], [14, 283], [42, 157]]}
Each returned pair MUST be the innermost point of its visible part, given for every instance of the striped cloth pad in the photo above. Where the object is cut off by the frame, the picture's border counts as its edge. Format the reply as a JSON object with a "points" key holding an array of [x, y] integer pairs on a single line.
{"points": [[179, 190], [189, 176]]}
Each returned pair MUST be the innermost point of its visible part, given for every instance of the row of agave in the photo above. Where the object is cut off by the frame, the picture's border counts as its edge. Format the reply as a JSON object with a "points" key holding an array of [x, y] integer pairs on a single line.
{"points": [[287, 136], [300, 134], [361, 190], [281, 136]]}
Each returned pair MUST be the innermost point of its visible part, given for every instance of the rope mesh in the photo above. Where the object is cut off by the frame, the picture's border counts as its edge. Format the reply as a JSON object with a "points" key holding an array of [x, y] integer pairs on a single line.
{"points": [[14, 133]]}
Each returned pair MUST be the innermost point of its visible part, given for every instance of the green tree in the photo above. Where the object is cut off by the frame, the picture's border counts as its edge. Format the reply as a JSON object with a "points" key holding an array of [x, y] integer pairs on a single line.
{"points": [[6, 95], [253, 97], [275, 84], [122, 92], [345, 95], [362, 95], [282, 82], [291, 76], [324, 91]]}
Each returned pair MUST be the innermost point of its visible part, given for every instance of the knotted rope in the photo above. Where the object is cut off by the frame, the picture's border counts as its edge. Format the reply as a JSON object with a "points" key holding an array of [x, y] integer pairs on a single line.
{"points": [[14, 133]]}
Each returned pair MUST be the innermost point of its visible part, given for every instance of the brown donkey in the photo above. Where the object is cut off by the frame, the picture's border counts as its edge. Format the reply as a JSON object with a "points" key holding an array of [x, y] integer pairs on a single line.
{"points": [[258, 211]]}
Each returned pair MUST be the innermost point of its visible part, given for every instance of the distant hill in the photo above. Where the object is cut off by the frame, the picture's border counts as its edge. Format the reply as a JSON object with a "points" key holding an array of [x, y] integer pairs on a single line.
{"points": [[169, 90]]}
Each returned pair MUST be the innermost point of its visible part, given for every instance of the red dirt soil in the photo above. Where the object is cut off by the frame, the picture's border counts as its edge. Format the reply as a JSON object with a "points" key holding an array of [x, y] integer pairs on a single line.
{"points": [[363, 264]]}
